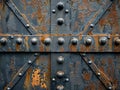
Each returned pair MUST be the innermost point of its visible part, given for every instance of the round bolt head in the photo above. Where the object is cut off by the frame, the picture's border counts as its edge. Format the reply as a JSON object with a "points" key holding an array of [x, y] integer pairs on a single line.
{"points": [[53, 11], [74, 41], [34, 41], [60, 60], [103, 40], [53, 79], [60, 21], [27, 25], [29, 62], [110, 88], [88, 41], [3, 41], [67, 79], [19, 40], [117, 41], [90, 62], [20, 74], [66, 11], [36, 54], [61, 41], [60, 74], [60, 6], [47, 41], [8, 88], [60, 87], [91, 25], [98, 74]]}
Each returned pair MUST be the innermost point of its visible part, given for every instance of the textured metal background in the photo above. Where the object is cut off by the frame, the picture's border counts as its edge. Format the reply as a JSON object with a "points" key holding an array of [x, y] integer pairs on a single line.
{"points": [[35, 49]]}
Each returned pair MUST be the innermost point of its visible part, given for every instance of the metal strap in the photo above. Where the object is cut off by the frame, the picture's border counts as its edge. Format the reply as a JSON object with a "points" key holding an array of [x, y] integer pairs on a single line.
{"points": [[96, 18], [21, 72], [20, 17], [100, 75]]}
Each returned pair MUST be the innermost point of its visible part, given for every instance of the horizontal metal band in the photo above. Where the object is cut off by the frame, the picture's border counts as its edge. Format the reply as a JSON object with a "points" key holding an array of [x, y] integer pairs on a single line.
{"points": [[60, 43]]}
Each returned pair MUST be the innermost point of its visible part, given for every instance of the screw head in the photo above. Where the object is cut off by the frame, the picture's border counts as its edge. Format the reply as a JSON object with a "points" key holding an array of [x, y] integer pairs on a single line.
{"points": [[60, 74], [60, 60], [60, 6], [88, 41], [61, 41], [3, 41], [103, 40], [60, 87], [19, 40], [74, 41], [117, 41], [60, 21], [34, 41], [47, 41]]}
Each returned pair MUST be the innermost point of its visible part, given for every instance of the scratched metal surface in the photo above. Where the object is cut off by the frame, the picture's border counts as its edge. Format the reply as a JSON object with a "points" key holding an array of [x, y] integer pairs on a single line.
{"points": [[31, 45]]}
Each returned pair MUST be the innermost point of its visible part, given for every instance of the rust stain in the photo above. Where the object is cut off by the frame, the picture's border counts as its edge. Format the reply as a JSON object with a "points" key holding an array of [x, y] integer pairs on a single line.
{"points": [[26, 43], [73, 48]]}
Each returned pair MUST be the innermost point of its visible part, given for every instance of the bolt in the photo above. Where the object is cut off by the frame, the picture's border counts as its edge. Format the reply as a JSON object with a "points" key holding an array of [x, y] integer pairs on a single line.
{"points": [[60, 21], [98, 74], [19, 40], [29, 62], [117, 41], [88, 41], [74, 41], [27, 25], [8, 88], [53, 11], [60, 87], [110, 88], [60, 5], [20, 74], [61, 41], [36, 54], [47, 41], [3, 41], [66, 11], [103, 40], [90, 62], [53, 79], [60, 74], [60, 60], [34, 41], [67, 79], [91, 25]]}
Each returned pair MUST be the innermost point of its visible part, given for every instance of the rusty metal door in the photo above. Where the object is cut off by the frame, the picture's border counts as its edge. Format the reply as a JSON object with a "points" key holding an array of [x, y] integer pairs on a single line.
{"points": [[59, 44]]}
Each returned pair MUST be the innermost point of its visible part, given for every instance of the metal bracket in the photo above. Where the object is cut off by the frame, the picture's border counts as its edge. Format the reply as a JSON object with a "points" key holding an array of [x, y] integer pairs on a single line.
{"points": [[21, 72], [100, 75], [20, 17]]}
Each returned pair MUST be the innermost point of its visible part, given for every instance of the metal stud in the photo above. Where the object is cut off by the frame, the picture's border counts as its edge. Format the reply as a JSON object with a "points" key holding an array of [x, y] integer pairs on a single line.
{"points": [[47, 41], [3, 41], [60, 60], [60, 74], [66, 11], [88, 41], [27, 25], [117, 41], [60, 6], [29, 62], [74, 41], [98, 74], [110, 88], [61, 41], [34, 41], [67, 79], [91, 25], [53, 11], [103, 40], [20, 74], [53, 79], [8, 88], [60, 87], [36, 54], [60, 21], [19, 40], [90, 62]]}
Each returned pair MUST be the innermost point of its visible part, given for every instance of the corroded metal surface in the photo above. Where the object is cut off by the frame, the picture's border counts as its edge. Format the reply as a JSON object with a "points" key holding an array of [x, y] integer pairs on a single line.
{"points": [[77, 42]]}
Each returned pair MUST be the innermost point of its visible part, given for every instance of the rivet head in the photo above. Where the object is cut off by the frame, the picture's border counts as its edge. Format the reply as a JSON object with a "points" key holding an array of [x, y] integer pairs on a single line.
{"points": [[110, 88], [91, 25], [88, 41], [66, 11], [117, 41], [74, 41], [60, 74], [34, 41], [3, 41], [60, 87], [47, 41], [8, 88], [103, 40], [61, 41], [60, 21], [29, 62], [53, 11], [90, 62], [53, 79], [19, 40], [27, 25], [20, 74], [60, 60], [98, 74], [60, 5], [67, 79]]}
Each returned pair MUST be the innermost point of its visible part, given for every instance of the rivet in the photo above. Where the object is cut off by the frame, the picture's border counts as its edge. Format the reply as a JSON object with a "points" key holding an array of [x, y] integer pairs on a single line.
{"points": [[117, 41], [53, 11], [110, 88], [67, 79], [60, 21], [88, 41], [27, 25], [19, 40], [66, 11], [98, 74], [90, 61], [3, 41], [36, 54], [74, 41], [83, 54], [61, 41], [60, 74], [53, 79], [103, 40], [34, 41], [8, 88], [60, 87], [29, 62], [20, 74], [91, 25], [60, 5], [60, 60], [11, 37], [47, 41]]}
